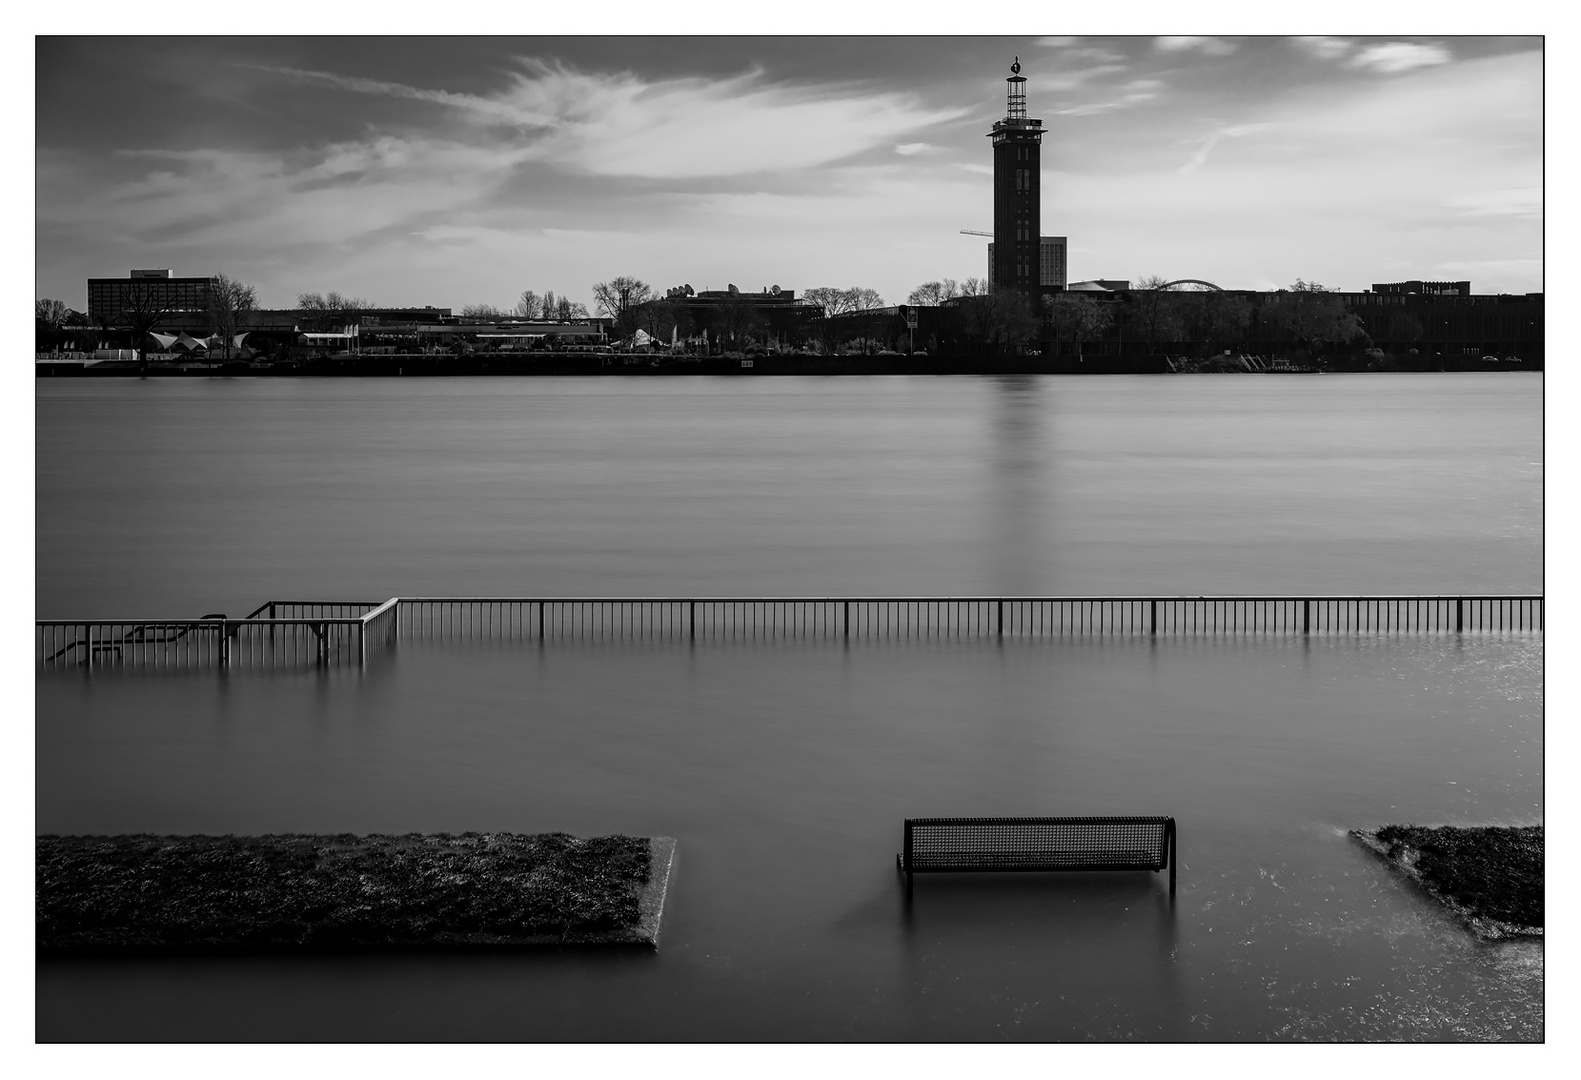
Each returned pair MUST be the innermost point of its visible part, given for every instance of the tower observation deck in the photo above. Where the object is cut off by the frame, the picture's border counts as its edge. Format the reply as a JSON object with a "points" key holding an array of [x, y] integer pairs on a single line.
{"points": [[1017, 185]]}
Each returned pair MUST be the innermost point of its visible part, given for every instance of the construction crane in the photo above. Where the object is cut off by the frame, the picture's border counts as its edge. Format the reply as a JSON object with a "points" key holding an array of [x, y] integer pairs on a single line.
{"points": [[975, 232]]}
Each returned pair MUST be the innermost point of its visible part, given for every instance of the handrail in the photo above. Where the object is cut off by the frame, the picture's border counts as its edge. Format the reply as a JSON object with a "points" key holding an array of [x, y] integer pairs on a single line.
{"points": [[323, 638], [933, 599]]}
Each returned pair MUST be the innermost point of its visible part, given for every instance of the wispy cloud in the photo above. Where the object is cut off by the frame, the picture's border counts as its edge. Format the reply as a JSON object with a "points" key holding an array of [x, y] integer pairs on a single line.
{"points": [[1324, 48], [624, 125], [1526, 202], [1397, 56], [1135, 92], [907, 149], [1233, 131], [1208, 46], [1074, 78], [1071, 48]]}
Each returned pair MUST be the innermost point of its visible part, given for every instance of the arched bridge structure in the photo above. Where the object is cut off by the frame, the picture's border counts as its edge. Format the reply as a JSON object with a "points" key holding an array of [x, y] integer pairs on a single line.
{"points": [[1191, 281]]}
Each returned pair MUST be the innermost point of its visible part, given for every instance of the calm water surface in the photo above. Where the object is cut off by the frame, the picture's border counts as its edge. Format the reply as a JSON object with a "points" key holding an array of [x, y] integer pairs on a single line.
{"points": [[785, 768]]}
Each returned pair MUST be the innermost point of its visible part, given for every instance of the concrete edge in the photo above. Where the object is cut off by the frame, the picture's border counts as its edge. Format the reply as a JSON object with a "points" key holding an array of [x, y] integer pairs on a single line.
{"points": [[1483, 927], [650, 909]]}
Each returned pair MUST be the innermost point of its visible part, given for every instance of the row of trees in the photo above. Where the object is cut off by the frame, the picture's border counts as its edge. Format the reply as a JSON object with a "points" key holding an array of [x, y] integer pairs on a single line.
{"points": [[972, 315], [1153, 314], [530, 305], [324, 313]]}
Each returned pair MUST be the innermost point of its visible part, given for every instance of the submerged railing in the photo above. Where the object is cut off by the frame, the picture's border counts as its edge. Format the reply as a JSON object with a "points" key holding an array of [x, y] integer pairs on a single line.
{"points": [[297, 632]]}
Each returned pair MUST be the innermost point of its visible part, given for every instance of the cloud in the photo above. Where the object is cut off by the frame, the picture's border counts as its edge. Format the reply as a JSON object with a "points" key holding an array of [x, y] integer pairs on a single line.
{"points": [[1208, 46], [1398, 56], [1504, 202], [1324, 48], [1511, 275], [1071, 48], [624, 125], [1072, 78], [1233, 131], [907, 149], [1135, 92]]}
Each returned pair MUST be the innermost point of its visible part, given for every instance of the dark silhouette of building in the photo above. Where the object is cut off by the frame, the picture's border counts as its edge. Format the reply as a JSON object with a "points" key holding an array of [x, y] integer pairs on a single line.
{"points": [[1017, 204], [1051, 263], [150, 296], [1424, 288]]}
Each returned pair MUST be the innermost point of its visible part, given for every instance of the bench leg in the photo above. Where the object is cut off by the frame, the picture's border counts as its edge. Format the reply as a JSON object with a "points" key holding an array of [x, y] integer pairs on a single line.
{"points": [[1174, 859]]}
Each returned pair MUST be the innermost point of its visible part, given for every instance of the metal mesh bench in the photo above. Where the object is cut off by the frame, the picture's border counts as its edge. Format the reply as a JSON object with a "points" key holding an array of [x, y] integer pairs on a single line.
{"points": [[954, 845]]}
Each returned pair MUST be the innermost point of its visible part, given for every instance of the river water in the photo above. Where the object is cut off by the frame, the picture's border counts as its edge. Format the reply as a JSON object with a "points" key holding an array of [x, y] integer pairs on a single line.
{"points": [[785, 768]]}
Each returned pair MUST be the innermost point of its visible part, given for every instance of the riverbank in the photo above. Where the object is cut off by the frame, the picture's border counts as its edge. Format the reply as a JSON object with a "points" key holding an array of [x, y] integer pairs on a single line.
{"points": [[656, 364], [1491, 877], [141, 892]]}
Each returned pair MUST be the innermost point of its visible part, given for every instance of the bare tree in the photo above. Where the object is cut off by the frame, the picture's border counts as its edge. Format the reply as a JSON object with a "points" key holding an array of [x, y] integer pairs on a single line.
{"points": [[974, 286], [998, 320], [1075, 315], [330, 310], [530, 306], [50, 313], [618, 297], [738, 321], [1312, 319], [481, 311], [1157, 309], [833, 301], [934, 293], [145, 305], [864, 299], [228, 305], [842, 301]]}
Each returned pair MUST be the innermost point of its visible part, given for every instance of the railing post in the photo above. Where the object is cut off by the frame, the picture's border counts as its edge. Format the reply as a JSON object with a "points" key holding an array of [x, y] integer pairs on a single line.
{"points": [[1460, 614], [540, 621], [87, 633], [362, 643], [1152, 618], [225, 643], [1306, 616], [691, 620], [1000, 630], [323, 644], [845, 622]]}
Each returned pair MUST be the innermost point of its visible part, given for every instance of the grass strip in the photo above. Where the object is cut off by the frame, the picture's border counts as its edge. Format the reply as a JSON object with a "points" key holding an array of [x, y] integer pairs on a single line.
{"points": [[1490, 876], [284, 891]]}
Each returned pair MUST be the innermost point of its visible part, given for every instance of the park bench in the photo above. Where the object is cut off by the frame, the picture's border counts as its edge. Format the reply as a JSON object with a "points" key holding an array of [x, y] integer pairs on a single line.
{"points": [[953, 845]]}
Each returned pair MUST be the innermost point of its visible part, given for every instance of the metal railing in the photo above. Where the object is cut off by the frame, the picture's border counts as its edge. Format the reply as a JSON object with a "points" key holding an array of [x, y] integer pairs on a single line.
{"points": [[931, 616], [297, 632]]}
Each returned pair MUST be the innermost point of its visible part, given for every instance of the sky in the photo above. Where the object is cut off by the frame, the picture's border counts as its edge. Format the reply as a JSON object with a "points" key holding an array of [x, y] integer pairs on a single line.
{"points": [[452, 171]]}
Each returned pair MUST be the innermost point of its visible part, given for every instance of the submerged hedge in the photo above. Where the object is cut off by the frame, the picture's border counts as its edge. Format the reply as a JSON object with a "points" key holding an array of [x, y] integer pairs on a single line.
{"points": [[1491, 875], [292, 890]]}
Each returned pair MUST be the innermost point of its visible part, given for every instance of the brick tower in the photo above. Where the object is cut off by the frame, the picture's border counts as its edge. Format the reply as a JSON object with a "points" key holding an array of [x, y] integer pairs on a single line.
{"points": [[1017, 141]]}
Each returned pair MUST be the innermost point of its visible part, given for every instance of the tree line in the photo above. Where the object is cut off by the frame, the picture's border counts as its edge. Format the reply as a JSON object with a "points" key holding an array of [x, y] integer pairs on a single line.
{"points": [[972, 317]]}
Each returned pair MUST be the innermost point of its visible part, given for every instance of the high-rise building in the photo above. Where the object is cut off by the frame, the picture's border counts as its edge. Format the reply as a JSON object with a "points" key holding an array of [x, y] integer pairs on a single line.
{"points": [[1051, 262], [1017, 140]]}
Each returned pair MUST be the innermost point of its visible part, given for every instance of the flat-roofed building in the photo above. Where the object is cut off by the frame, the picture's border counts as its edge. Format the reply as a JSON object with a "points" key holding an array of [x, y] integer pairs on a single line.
{"points": [[175, 301], [1051, 262], [1424, 288]]}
